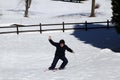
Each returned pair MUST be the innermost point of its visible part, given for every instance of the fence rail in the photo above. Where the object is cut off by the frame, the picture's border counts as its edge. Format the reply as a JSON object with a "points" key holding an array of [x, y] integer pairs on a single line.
{"points": [[63, 28]]}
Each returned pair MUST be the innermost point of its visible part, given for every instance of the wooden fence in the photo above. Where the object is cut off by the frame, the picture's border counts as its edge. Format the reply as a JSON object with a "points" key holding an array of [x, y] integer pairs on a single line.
{"points": [[63, 28]]}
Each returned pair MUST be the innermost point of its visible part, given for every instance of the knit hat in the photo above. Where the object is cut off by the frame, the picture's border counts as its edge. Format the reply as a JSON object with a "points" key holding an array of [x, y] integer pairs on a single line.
{"points": [[62, 41]]}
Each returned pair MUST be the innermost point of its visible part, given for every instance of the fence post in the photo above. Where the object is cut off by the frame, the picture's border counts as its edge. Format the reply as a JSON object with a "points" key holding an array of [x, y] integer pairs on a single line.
{"points": [[86, 26], [17, 29], [63, 27], [40, 28], [108, 27]]}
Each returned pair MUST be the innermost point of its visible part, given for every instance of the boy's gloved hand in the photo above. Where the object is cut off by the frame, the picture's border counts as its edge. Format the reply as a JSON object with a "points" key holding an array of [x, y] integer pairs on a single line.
{"points": [[73, 52], [49, 37]]}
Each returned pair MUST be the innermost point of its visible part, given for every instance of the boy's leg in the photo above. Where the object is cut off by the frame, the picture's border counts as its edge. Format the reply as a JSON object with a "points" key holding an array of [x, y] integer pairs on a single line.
{"points": [[55, 60], [65, 61]]}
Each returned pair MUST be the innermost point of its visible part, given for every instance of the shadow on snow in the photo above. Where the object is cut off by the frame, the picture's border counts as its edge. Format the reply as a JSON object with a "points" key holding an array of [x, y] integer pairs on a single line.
{"points": [[76, 1], [77, 15], [22, 11], [100, 38]]}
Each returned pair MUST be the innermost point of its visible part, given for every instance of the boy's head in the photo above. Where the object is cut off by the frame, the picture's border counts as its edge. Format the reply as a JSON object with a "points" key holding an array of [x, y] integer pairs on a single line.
{"points": [[62, 43]]}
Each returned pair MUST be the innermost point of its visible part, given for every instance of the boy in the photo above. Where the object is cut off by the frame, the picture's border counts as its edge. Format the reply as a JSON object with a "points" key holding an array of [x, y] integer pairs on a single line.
{"points": [[59, 54]]}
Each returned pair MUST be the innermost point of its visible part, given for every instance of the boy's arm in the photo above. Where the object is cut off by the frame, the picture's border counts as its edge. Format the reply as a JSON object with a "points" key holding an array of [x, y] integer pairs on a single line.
{"points": [[69, 49], [51, 41]]}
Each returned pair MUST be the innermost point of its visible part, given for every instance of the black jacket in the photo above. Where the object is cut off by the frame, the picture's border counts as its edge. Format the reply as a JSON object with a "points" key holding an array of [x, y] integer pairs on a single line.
{"points": [[60, 51]]}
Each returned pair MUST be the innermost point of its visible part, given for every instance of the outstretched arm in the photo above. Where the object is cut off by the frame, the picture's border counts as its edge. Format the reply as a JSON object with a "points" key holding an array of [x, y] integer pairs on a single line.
{"points": [[69, 49], [51, 41]]}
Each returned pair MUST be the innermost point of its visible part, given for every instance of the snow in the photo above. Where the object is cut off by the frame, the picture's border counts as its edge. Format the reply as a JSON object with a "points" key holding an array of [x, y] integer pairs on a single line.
{"points": [[50, 11], [27, 55]]}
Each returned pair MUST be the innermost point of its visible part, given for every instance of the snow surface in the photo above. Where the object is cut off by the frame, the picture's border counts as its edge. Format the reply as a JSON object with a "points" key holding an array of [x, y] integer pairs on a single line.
{"points": [[26, 56], [51, 11]]}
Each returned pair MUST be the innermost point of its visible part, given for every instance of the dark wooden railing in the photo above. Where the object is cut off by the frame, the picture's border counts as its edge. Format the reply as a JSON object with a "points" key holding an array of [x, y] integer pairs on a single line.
{"points": [[85, 27]]}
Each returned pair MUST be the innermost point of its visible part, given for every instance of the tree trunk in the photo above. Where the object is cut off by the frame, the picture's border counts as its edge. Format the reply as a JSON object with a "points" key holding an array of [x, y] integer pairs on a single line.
{"points": [[26, 8], [93, 9], [29, 3]]}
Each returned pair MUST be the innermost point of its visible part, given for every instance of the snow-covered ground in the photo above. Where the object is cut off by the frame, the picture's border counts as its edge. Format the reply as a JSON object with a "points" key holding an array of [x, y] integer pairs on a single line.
{"points": [[26, 56], [50, 11]]}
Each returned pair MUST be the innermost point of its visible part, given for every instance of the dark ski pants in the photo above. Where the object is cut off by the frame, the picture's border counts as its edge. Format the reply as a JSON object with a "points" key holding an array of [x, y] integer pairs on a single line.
{"points": [[55, 60]]}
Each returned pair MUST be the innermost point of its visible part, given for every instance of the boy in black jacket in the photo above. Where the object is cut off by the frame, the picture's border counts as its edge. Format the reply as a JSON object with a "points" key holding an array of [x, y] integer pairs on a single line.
{"points": [[59, 54]]}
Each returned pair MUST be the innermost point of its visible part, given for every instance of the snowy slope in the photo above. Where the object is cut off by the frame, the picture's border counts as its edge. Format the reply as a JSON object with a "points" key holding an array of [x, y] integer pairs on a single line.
{"points": [[25, 57]]}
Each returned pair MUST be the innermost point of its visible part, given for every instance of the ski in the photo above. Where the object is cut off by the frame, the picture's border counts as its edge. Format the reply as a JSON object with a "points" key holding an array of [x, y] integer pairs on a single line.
{"points": [[54, 70]]}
